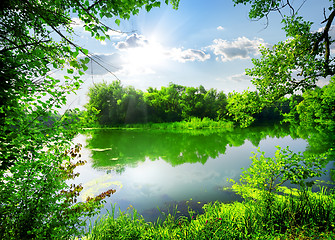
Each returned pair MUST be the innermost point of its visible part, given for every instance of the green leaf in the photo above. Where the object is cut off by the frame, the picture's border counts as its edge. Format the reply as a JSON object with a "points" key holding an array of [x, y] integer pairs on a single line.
{"points": [[70, 71], [84, 67], [85, 51]]}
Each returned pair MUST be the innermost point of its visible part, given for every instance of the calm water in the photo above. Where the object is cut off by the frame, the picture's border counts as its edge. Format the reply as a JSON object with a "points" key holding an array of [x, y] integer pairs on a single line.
{"points": [[151, 168]]}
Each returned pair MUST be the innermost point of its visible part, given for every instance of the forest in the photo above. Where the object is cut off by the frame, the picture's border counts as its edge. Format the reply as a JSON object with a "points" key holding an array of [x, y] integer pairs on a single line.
{"points": [[114, 104], [38, 157]]}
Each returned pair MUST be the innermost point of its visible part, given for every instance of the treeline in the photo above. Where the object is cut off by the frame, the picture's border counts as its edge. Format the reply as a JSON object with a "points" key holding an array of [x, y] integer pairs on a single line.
{"points": [[113, 104]]}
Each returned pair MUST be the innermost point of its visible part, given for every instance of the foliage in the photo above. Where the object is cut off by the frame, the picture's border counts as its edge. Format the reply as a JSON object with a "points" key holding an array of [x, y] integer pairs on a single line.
{"points": [[293, 208], [243, 106], [36, 203], [318, 107], [268, 174], [304, 51], [295, 64], [119, 105], [36, 41], [115, 104], [291, 217]]}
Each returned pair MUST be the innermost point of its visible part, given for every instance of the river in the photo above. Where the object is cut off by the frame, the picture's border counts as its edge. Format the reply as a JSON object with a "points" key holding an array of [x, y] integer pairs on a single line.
{"points": [[154, 170]]}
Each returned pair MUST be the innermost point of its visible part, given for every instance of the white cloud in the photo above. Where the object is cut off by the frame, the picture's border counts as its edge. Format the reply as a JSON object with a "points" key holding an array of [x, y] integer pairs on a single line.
{"points": [[132, 41], [190, 55], [142, 56], [242, 77], [220, 28], [241, 48]]}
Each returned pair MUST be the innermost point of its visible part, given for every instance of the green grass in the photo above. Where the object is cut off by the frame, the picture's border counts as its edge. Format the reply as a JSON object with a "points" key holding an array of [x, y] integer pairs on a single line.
{"points": [[190, 124], [305, 215]]}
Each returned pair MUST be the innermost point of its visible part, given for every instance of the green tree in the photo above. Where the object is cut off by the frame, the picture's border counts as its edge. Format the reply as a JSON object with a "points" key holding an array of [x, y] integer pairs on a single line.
{"points": [[242, 107], [155, 105], [318, 107], [115, 104], [269, 174], [164, 104], [222, 105], [35, 157], [192, 102], [106, 99], [132, 106], [297, 63]]}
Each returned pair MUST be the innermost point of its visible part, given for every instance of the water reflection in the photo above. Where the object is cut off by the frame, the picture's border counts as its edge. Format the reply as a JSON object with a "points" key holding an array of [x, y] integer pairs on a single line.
{"points": [[158, 168], [115, 149]]}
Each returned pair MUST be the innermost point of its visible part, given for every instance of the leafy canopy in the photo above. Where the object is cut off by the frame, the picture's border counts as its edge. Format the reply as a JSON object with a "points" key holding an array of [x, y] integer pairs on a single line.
{"points": [[36, 157], [298, 62]]}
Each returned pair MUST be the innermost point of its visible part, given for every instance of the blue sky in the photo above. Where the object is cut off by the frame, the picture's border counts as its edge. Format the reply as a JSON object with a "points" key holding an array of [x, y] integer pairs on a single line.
{"points": [[207, 43]]}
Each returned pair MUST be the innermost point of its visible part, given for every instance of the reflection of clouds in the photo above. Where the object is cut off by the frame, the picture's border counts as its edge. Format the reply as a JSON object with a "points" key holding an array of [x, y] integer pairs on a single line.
{"points": [[99, 185], [155, 182]]}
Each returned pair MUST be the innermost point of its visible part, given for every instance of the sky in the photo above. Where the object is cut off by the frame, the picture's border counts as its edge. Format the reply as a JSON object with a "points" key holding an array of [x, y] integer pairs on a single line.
{"points": [[208, 43]]}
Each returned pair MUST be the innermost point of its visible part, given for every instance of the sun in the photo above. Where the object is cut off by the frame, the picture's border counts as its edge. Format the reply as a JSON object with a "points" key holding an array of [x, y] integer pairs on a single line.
{"points": [[145, 58]]}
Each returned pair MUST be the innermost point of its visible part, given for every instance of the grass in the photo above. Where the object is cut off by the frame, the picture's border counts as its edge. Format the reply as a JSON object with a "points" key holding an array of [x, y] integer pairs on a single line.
{"points": [[305, 215], [190, 124]]}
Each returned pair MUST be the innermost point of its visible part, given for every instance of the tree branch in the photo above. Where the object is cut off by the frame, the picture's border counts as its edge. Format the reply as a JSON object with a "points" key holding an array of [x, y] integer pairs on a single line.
{"points": [[22, 46], [329, 21], [325, 36]]}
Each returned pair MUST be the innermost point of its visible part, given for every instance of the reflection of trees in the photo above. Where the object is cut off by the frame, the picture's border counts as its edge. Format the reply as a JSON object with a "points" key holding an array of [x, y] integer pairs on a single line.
{"points": [[320, 140], [118, 148]]}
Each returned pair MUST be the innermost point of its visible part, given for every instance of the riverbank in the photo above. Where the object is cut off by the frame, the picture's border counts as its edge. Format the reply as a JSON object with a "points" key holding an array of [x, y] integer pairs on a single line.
{"points": [[293, 216], [191, 124]]}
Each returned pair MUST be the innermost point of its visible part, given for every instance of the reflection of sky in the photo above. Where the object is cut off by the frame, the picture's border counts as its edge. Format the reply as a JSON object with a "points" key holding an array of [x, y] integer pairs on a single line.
{"points": [[154, 183]]}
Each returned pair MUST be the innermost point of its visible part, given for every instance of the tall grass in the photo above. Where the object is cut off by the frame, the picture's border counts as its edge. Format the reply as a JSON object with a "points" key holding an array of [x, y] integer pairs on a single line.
{"points": [[305, 215], [190, 124]]}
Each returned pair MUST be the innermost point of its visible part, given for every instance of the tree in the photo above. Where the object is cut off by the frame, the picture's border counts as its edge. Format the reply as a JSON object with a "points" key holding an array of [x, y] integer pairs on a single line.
{"points": [[298, 62], [36, 158], [318, 107], [115, 104], [242, 107]]}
